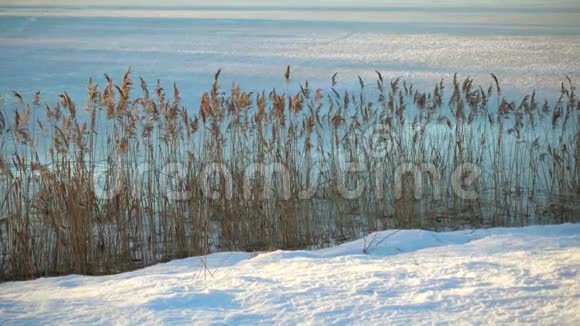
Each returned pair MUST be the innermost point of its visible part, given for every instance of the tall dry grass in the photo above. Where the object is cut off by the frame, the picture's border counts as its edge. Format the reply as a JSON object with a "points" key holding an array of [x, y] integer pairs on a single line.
{"points": [[133, 178]]}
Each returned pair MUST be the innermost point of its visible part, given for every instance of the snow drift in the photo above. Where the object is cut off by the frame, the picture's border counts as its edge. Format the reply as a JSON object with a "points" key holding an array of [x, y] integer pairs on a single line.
{"points": [[502, 275]]}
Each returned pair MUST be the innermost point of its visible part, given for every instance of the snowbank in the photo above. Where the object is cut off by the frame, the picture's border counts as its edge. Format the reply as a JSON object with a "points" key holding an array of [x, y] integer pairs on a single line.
{"points": [[503, 275]]}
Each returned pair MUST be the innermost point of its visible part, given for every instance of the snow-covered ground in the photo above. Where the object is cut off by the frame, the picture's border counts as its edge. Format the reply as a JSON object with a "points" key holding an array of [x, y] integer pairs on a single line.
{"points": [[503, 275]]}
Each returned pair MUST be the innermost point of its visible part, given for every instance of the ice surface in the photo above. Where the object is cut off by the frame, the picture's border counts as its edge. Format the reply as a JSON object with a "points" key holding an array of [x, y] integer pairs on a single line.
{"points": [[58, 49], [507, 275]]}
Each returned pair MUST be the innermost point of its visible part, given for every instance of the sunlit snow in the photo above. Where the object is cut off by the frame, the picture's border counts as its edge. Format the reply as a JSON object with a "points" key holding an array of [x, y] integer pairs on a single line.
{"points": [[525, 275]]}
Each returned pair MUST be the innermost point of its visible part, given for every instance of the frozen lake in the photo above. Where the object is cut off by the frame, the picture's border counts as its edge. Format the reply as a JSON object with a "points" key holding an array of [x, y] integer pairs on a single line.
{"points": [[59, 48]]}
